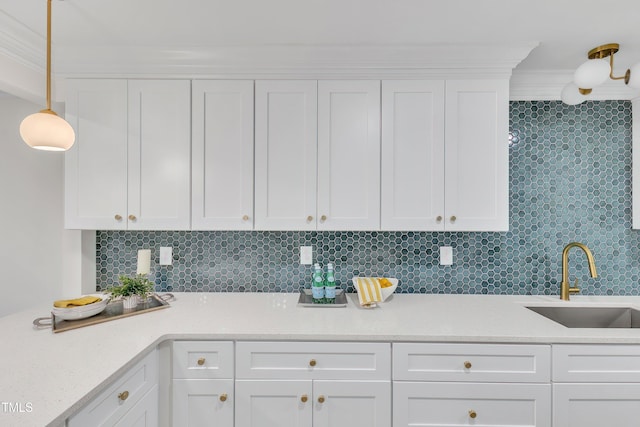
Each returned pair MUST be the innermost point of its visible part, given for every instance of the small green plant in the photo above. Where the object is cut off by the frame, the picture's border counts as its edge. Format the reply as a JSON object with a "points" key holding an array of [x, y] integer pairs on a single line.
{"points": [[136, 285]]}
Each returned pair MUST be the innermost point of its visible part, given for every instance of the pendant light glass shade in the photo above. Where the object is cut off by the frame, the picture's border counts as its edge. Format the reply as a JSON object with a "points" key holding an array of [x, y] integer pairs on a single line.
{"points": [[47, 131], [592, 73], [634, 77], [571, 95]]}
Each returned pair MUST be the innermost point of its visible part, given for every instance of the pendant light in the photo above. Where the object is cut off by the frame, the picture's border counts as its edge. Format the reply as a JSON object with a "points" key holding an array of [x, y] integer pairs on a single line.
{"points": [[46, 130]]}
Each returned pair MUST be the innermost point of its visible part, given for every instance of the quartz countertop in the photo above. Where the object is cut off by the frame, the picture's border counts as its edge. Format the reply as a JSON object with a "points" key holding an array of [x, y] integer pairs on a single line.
{"points": [[56, 374]]}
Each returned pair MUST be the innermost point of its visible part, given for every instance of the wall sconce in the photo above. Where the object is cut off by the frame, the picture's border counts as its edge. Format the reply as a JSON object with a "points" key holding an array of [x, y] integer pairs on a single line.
{"points": [[594, 72]]}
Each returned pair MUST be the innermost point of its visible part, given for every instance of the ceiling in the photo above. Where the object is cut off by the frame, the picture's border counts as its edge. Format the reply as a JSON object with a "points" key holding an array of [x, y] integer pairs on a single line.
{"points": [[544, 39]]}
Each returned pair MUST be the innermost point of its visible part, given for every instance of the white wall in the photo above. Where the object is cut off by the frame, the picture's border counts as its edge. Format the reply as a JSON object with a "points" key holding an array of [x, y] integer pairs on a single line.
{"points": [[34, 247]]}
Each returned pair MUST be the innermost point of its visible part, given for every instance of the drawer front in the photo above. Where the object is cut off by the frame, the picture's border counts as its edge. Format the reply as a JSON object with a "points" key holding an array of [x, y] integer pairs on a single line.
{"points": [[463, 404], [596, 363], [596, 405], [472, 362], [121, 396], [202, 359], [313, 360]]}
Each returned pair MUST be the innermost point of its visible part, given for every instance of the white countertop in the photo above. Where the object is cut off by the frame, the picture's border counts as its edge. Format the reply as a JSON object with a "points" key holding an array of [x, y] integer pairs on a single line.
{"points": [[57, 373]]}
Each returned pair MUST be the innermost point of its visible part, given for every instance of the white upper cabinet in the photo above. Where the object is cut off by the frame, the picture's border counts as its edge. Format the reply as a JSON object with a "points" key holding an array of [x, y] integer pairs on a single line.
{"points": [[222, 155], [130, 168], [286, 155], [317, 155], [349, 155], [159, 154], [96, 165], [445, 159], [477, 155], [413, 155]]}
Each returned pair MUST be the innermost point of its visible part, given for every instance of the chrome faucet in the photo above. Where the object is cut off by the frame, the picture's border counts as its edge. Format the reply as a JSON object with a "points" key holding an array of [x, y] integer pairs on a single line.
{"points": [[565, 288]]}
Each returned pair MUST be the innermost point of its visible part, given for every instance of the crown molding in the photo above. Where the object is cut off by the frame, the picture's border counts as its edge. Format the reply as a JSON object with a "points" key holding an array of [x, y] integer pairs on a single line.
{"points": [[21, 44], [22, 52], [547, 86], [293, 61]]}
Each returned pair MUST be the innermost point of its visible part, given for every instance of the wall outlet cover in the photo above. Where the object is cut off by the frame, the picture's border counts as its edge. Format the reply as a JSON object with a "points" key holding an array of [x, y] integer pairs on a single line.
{"points": [[446, 255], [166, 255], [306, 255]]}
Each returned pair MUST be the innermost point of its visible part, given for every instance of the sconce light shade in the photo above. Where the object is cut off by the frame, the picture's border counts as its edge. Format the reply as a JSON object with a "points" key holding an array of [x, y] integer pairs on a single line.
{"points": [[47, 131], [634, 77], [571, 95], [592, 73]]}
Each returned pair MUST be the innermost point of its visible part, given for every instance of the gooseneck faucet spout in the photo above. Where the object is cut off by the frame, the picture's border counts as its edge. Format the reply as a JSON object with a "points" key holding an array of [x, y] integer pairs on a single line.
{"points": [[565, 288]]}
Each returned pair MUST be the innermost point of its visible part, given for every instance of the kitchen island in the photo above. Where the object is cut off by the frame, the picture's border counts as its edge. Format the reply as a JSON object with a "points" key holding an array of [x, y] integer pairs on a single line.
{"points": [[47, 377]]}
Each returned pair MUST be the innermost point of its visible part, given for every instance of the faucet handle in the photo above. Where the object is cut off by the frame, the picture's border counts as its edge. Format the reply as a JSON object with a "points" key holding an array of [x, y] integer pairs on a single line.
{"points": [[575, 289]]}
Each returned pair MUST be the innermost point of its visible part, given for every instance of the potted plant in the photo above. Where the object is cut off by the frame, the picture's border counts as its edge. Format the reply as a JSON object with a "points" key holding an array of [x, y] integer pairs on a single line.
{"points": [[132, 289]]}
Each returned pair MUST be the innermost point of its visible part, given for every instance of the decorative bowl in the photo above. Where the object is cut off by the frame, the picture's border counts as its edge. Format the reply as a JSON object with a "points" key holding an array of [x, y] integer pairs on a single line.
{"points": [[386, 292]]}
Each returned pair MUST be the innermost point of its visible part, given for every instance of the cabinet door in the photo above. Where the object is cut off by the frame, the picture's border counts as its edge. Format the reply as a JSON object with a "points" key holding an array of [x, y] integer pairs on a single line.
{"points": [[143, 414], [476, 155], [286, 155], [222, 155], [273, 403], [596, 405], [412, 194], [349, 155], [464, 404], [96, 166], [203, 403], [159, 155], [119, 398], [352, 404]]}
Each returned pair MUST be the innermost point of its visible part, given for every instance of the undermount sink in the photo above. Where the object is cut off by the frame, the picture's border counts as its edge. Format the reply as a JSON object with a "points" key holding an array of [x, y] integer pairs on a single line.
{"points": [[591, 317]]}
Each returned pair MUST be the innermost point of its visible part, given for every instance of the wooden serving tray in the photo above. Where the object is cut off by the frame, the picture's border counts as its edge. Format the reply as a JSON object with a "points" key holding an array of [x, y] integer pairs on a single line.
{"points": [[113, 311]]}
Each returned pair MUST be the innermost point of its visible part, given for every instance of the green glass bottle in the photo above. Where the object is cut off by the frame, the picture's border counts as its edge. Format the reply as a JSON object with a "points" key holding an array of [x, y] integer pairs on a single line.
{"points": [[330, 285], [317, 287]]}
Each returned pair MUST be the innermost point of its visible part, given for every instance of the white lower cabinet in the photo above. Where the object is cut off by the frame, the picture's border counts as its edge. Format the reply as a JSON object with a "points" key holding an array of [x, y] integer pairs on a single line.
{"points": [[131, 400], [596, 385], [452, 384], [352, 403], [203, 386], [203, 403], [350, 384], [319, 403], [144, 413], [463, 404], [273, 403], [596, 405], [313, 384]]}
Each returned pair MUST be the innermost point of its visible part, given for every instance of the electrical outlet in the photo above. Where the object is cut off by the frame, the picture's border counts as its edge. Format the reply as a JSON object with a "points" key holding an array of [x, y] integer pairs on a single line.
{"points": [[166, 255], [446, 255], [306, 255]]}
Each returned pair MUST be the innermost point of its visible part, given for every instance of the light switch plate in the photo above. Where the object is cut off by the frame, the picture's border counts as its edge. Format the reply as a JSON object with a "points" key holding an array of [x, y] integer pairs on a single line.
{"points": [[306, 255], [446, 255], [166, 255]]}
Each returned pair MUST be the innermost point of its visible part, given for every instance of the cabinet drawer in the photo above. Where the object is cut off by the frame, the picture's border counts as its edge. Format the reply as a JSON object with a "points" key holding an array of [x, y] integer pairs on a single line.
{"points": [[462, 404], [596, 363], [113, 402], [472, 362], [202, 359], [313, 360], [596, 405]]}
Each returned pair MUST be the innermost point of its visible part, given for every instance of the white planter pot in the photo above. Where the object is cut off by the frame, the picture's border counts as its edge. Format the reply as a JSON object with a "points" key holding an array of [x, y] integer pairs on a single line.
{"points": [[130, 302]]}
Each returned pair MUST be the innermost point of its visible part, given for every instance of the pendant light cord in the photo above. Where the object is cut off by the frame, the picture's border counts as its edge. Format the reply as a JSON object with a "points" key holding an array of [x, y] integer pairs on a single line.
{"points": [[49, 55]]}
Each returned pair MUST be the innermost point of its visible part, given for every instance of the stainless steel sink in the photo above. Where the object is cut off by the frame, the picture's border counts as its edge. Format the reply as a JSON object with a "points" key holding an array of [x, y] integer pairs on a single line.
{"points": [[591, 317]]}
